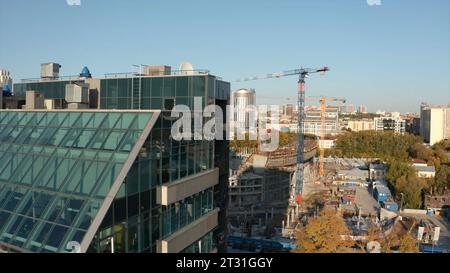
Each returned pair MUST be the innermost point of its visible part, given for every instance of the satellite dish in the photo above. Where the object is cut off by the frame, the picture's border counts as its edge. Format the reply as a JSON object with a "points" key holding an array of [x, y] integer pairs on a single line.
{"points": [[373, 247], [186, 68]]}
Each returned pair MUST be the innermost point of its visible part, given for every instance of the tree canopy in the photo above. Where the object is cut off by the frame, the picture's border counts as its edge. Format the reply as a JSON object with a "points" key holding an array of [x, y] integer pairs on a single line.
{"points": [[442, 179], [375, 144], [411, 187], [408, 245], [397, 169], [358, 116], [420, 151], [323, 235]]}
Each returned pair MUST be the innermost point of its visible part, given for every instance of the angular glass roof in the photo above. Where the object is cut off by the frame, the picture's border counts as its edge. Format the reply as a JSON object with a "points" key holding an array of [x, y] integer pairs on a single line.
{"points": [[59, 170]]}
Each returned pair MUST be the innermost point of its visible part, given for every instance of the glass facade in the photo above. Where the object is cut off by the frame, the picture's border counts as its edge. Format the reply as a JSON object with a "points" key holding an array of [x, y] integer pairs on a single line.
{"points": [[179, 214], [135, 221], [204, 245], [51, 89], [102, 141], [120, 93], [56, 169]]}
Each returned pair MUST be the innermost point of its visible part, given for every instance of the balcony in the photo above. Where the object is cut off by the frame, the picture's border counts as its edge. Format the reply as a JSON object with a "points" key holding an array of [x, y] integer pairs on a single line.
{"points": [[186, 236], [170, 193]]}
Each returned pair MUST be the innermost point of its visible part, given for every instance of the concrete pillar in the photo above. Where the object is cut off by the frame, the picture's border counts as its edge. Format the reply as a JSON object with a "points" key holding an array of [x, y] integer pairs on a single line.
{"points": [[288, 221], [272, 214]]}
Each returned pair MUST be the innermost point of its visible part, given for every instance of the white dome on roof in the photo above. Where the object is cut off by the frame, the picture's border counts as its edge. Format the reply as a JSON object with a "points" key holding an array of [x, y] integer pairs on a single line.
{"points": [[186, 68]]}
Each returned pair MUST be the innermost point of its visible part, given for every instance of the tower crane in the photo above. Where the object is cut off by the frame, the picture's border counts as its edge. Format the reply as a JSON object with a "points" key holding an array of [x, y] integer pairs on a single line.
{"points": [[323, 103], [303, 74], [323, 112]]}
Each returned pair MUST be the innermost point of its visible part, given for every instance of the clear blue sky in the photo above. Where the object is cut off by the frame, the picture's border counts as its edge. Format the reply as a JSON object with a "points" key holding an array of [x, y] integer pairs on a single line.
{"points": [[390, 57]]}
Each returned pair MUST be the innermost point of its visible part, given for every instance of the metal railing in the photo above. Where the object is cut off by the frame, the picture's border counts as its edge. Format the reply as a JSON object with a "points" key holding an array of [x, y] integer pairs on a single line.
{"points": [[123, 75], [158, 73], [61, 78]]}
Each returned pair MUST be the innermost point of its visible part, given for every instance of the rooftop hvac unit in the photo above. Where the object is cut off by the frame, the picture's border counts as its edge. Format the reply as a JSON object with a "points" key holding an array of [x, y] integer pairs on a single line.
{"points": [[50, 70], [77, 93], [157, 70]]}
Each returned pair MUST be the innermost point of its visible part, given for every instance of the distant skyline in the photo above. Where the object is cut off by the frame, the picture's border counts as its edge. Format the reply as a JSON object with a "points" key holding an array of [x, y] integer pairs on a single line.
{"points": [[390, 56]]}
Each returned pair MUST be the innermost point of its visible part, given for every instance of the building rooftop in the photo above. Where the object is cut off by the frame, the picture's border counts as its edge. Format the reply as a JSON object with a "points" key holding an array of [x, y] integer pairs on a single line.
{"points": [[120, 75], [377, 166], [424, 168], [382, 190], [419, 161], [353, 172]]}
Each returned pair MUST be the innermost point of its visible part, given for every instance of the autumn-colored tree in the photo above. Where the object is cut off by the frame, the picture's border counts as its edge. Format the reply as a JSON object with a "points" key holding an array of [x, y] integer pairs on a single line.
{"points": [[373, 234], [408, 245], [443, 145], [420, 151], [442, 155], [323, 235]]}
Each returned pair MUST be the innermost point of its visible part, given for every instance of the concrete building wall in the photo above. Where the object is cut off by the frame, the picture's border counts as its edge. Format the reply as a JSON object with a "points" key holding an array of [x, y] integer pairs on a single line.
{"points": [[360, 125], [434, 123], [437, 125]]}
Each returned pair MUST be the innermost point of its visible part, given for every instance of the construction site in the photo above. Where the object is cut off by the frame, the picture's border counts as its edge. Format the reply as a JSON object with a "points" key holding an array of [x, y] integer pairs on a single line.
{"points": [[273, 195], [263, 207]]}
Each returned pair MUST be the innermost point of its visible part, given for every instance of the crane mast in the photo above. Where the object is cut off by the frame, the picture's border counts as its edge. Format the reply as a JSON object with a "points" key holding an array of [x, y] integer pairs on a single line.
{"points": [[323, 109], [303, 74], [299, 170]]}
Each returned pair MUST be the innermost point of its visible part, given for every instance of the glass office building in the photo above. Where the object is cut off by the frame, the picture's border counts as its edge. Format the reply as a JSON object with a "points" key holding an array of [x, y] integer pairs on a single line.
{"points": [[172, 194]]}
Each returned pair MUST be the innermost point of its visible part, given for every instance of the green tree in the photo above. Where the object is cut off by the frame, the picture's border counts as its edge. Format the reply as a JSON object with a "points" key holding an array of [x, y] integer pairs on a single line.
{"points": [[442, 179], [397, 169], [384, 145], [411, 187]]}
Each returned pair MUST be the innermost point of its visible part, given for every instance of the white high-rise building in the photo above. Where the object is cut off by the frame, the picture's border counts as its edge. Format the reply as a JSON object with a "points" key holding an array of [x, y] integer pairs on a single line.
{"points": [[434, 123], [5, 79], [240, 100]]}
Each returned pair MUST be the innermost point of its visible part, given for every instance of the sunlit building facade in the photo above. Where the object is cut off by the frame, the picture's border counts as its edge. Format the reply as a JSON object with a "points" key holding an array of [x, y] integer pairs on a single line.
{"points": [[155, 195]]}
